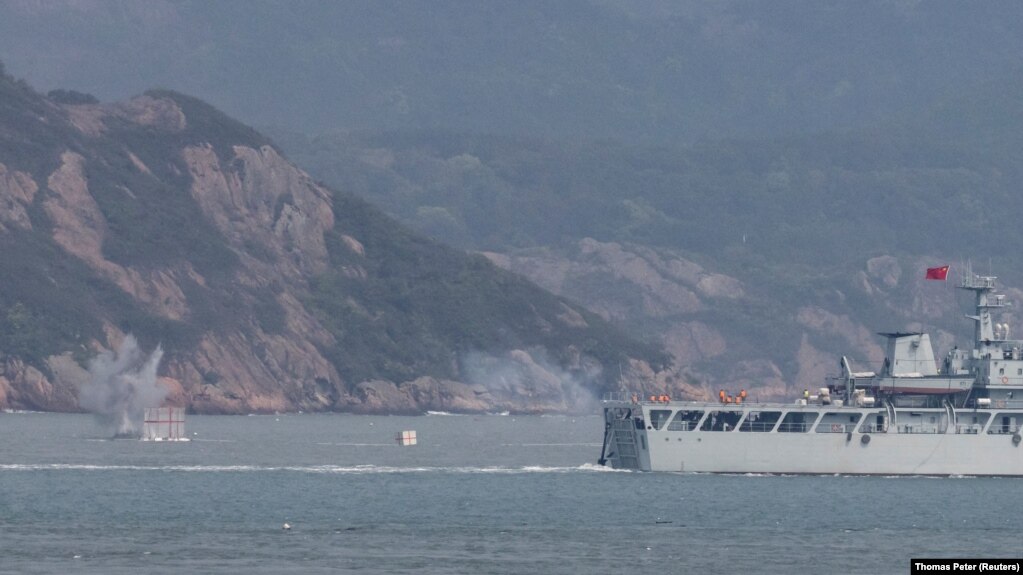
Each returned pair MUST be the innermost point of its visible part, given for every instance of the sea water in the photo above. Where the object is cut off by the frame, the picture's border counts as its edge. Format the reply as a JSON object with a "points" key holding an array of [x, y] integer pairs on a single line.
{"points": [[478, 494]]}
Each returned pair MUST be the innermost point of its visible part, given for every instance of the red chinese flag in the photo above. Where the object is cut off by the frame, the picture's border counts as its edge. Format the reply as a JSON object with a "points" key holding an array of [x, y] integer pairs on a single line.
{"points": [[937, 273]]}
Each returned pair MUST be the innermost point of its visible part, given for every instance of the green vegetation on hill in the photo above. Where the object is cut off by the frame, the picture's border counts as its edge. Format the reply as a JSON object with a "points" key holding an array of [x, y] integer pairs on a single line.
{"points": [[412, 306], [30, 132], [793, 218], [781, 143], [407, 308], [824, 201], [206, 124]]}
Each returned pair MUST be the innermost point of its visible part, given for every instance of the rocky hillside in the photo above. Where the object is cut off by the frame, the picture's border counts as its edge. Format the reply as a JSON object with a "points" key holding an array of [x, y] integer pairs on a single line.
{"points": [[732, 333], [163, 218], [755, 264]]}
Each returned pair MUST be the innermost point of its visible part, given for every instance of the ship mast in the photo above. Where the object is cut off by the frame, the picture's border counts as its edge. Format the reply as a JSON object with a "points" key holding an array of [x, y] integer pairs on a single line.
{"points": [[986, 300]]}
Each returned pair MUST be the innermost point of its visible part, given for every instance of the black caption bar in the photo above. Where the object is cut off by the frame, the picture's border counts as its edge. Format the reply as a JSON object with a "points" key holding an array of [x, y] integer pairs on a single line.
{"points": [[928, 566]]}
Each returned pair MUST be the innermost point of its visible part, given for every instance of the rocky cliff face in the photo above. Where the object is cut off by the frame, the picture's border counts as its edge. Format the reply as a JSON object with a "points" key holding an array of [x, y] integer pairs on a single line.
{"points": [[678, 301], [260, 284], [244, 336], [260, 203]]}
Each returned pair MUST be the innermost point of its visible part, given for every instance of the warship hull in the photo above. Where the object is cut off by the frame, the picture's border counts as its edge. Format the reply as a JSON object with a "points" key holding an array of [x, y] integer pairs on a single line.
{"points": [[912, 416], [832, 448]]}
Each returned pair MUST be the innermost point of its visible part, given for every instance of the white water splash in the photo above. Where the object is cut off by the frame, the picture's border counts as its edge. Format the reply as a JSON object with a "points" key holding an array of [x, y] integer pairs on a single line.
{"points": [[121, 386]]}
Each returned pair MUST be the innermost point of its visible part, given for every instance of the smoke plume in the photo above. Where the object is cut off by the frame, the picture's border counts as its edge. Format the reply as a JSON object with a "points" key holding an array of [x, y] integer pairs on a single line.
{"points": [[122, 384], [542, 382]]}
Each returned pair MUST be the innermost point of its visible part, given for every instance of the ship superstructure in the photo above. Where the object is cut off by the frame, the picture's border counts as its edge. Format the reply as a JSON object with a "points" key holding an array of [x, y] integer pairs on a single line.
{"points": [[912, 416]]}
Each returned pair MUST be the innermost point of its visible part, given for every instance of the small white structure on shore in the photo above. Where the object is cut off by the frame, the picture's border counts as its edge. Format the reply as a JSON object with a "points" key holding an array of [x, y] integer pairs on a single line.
{"points": [[164, 424], [406, 438]]}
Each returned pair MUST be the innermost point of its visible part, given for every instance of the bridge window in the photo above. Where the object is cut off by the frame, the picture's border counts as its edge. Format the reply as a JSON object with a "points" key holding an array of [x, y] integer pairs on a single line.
{"points": [[797, 422], [760, 421], [685, 420], [721, 421], [658, 417]]}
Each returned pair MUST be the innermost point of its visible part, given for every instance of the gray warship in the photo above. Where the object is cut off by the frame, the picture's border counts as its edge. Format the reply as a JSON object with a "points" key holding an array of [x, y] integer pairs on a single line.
{"points": [[908, 418]]}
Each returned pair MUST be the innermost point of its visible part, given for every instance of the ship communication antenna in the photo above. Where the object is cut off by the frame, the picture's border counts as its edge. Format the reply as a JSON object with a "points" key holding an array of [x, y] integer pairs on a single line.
{"points": [[963, 330], [956, 328]]}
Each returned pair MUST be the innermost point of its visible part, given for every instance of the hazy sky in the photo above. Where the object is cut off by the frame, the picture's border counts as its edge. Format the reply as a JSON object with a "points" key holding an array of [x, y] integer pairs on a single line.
{"points": [[642, 71]]}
